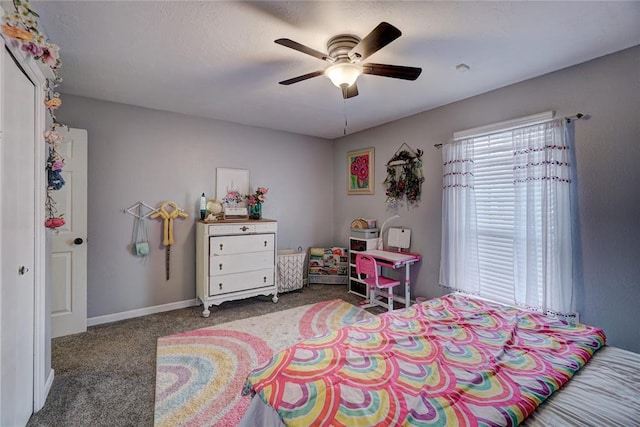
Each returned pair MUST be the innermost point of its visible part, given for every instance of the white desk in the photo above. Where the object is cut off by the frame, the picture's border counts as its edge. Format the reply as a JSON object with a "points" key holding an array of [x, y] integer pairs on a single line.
{"points": [[394, 260]]}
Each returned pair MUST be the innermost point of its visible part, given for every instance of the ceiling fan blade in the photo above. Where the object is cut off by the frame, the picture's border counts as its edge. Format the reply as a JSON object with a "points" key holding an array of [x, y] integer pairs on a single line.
{"points": [[393, 71], [304, 49], [301, 78], [350, 91], [381, 36]]}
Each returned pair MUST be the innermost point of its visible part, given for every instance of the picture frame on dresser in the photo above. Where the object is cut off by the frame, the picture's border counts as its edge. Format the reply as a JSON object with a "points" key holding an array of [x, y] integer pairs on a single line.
{"points": [[361, 171], [236, 181], [231, 179]]}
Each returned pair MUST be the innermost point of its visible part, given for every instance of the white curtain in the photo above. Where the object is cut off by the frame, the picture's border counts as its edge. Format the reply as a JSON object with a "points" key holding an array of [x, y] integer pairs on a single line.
{"points": [[542, 251], [542, 222], [459, 260]]}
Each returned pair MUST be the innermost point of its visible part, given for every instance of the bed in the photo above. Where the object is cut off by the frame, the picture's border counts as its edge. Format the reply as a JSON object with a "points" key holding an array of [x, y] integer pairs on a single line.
{"points": [[454, 360]]}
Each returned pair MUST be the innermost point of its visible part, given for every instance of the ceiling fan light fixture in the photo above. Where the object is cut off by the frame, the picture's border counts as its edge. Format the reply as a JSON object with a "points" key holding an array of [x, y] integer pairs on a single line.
{"points": [[343, 74], [345, 52]]}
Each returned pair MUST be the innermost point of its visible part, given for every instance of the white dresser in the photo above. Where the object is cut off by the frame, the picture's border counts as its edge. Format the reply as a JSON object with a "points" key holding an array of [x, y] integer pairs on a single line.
{"points": [[235, 259]]}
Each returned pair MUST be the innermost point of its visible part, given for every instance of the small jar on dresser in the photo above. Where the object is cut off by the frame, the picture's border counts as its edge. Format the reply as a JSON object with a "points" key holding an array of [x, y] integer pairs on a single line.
{"points": [[235, 259]]}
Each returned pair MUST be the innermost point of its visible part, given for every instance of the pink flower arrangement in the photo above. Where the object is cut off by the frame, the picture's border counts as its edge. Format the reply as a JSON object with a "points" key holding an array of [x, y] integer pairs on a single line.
{"points": [[32, 49], [57, 165], [232, 196], [53, 137], [258, 197], [54, 222], [51, 55]]}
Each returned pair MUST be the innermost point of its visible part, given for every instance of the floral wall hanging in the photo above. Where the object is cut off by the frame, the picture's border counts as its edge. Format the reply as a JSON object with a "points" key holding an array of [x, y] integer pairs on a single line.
{"points": [[360, 166], [404, 177], [20, 28]]}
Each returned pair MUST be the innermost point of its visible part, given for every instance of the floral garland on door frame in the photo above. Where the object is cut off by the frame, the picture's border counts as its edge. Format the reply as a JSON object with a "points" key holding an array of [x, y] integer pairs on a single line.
{"points": [[404, 177], [21, 27]]}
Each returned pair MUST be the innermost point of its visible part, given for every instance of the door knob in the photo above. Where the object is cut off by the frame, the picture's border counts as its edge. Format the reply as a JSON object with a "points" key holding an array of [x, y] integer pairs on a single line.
{"points": [[22, 270], [78, 240]]}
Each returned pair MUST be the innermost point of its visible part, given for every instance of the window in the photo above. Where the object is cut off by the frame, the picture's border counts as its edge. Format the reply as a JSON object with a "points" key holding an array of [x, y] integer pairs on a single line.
{"points": [[506, 222]]}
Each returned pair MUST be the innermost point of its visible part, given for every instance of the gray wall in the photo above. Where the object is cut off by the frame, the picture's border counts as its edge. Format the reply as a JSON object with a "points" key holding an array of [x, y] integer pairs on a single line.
{"points": [[608, 200], [138, 154], [141, 154]]}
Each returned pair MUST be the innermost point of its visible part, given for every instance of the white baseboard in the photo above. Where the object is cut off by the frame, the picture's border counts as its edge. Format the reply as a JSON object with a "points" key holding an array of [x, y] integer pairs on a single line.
{"points": [[108, 318], [38, 403], [49, 383]]}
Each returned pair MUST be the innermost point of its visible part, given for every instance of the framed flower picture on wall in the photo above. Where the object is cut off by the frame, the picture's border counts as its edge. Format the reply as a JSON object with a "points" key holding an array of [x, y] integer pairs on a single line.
{"points": [[360, 171]]}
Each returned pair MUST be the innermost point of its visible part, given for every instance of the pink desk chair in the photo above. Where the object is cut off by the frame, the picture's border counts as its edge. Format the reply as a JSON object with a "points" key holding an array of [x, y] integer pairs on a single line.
{"points": [[368, 266]]}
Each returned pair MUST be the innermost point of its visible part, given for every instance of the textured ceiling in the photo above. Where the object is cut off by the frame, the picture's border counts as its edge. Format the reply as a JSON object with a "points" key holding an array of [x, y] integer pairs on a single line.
{"points": [[217, 59]]}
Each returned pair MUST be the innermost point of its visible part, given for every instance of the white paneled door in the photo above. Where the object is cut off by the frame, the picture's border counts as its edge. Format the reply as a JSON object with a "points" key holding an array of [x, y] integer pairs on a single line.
{"points": [[17, 217], [69, 242]]}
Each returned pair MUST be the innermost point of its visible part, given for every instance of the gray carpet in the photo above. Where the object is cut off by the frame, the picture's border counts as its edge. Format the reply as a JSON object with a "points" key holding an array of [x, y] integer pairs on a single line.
{"points": [[106, 376]]}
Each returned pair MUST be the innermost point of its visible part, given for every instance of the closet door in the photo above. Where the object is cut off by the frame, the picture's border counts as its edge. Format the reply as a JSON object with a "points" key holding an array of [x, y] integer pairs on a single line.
{"points": [[17, 218]]}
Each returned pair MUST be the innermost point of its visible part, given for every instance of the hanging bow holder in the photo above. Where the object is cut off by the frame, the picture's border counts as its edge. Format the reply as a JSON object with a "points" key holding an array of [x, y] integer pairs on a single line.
{"points": [[168, 212], [404, 177]]}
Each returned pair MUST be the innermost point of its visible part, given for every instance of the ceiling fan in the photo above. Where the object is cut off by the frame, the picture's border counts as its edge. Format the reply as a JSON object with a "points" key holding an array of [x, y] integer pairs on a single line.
{"points": [[346, 51]]}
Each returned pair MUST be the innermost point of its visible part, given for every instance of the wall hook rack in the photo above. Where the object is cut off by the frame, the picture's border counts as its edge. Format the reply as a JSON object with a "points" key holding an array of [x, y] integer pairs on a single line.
{"points": [[136, 210]]}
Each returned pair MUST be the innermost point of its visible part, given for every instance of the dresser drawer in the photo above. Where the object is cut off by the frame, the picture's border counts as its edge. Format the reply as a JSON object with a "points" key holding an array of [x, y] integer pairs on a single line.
{"points": [[266, 227], [242, 228], [230, 264], [217, 230], [229, 245], [240, 281]]}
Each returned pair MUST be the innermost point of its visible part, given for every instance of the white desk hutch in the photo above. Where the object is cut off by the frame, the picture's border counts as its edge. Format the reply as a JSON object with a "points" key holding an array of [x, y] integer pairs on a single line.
{"points": [[235, 259]]}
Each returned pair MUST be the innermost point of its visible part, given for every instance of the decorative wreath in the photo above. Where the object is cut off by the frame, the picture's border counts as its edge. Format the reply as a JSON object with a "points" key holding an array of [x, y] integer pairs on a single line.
{"points": [[404, 178]]}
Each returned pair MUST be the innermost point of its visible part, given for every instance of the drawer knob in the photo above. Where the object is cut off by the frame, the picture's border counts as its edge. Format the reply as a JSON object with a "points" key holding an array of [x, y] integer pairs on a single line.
{"points": [[264, 279], [265, 243], [244, 228], [220, 266], [221, 246], [220, 286]]}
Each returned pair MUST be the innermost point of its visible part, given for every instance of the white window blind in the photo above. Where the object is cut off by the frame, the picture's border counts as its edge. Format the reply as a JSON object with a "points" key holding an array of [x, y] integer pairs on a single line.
{"points": [[495, 204]]}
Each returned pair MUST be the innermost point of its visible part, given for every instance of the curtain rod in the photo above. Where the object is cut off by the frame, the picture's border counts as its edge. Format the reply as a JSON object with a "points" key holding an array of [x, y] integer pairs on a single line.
{"points": [[576, 116]]}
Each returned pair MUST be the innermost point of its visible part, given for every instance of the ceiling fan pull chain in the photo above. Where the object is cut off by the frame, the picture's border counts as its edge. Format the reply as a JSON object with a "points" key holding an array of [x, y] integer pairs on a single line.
{"points": [[345, 115]]}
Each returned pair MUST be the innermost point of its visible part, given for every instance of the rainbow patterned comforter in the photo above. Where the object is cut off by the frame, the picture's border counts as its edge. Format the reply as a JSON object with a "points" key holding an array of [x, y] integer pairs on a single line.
{"points": [[449, 361]]}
